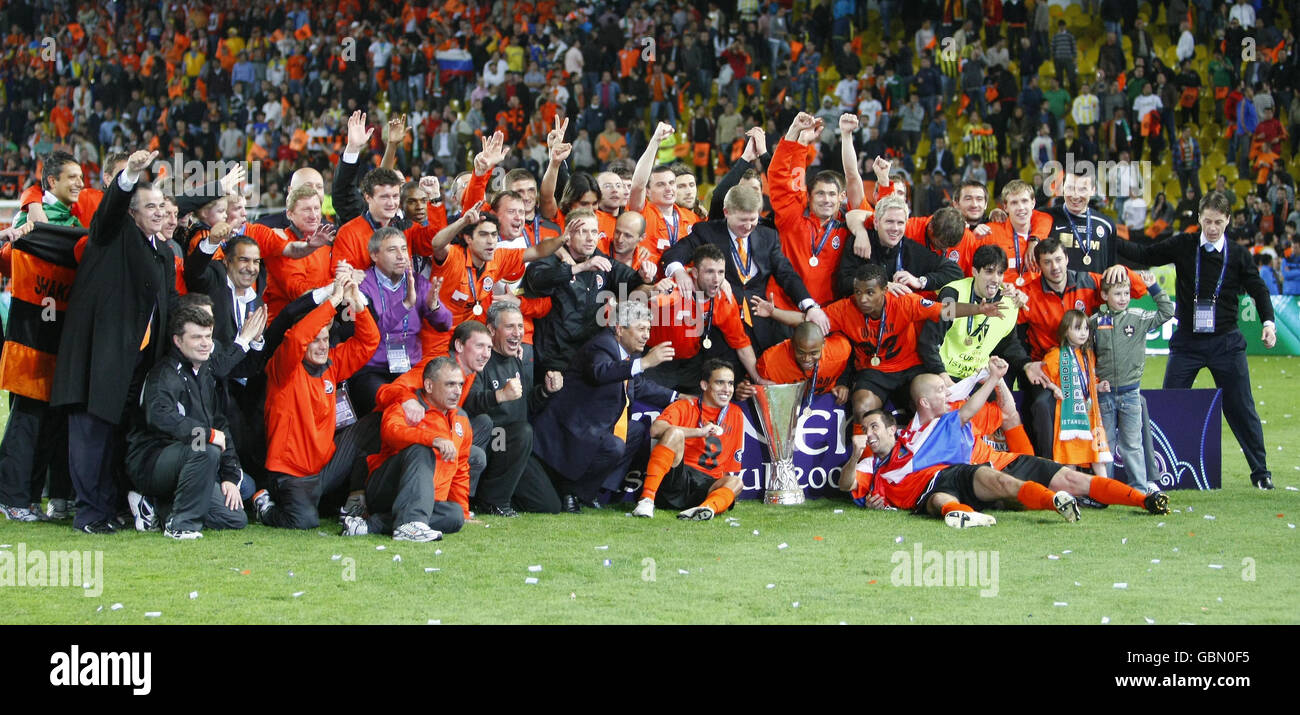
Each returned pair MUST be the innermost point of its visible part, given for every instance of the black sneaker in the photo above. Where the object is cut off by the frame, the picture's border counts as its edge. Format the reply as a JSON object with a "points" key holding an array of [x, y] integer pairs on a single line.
{"points": [[1264, 483], [1157, 503], [1090, 502], [496, 510], [104, 528]]}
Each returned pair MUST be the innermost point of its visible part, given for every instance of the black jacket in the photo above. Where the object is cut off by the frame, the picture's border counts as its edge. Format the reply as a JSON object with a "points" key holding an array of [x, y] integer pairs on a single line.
{"points": [[482, 397], [917, 259], [180, 406], [203, 275], [575, 302], [122, 280]]}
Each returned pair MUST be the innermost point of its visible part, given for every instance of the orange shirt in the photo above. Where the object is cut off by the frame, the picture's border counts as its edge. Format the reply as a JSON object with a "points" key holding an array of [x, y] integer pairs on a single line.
{"points": [[713, 455], [778, 364], [658, 237], [1003, 235], [802, 233], [1077, 451], [889, 479], [464, 286], [896, 342], [300, 407], [683, 321], [1046, 308], [606, 222], [353, 242], [450, 479]]}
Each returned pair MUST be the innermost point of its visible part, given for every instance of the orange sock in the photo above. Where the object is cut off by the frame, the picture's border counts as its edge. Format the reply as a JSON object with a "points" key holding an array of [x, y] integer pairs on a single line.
{"points": [[1035, 496], [1018, 441], [720, 500], [1109, 491], [954, 506], [661, 460]]}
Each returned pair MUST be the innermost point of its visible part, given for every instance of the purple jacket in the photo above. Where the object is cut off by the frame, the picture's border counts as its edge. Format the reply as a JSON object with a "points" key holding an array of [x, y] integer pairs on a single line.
{"points": [[398, 324]]}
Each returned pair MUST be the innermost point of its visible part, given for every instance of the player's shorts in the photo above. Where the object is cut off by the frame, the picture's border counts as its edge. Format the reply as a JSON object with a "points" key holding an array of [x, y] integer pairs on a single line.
{"points": [[1028, 468], [885, 385], [958, 481], [683, 487]]}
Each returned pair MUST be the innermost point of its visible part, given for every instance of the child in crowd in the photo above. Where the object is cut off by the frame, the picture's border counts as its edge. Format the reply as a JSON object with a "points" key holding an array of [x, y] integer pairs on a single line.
{"points": [[1078, 435]]}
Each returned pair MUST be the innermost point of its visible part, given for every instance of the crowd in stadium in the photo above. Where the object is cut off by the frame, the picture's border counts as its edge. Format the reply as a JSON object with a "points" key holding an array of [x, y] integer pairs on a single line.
{"points": [[446, 247]]}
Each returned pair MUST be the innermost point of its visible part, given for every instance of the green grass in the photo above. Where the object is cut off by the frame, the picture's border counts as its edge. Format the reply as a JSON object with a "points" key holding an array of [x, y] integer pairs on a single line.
{"points": [[837, 566]]}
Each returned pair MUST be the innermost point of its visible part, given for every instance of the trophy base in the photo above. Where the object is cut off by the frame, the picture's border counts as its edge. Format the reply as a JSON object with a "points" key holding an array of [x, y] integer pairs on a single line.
{"points": [[783, 496]]}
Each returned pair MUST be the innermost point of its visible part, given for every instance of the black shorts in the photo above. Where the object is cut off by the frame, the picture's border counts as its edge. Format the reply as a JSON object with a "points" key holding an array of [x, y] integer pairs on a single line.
{"points": [[683, 487], [885, 385], [958, 481], [1028, 468]]}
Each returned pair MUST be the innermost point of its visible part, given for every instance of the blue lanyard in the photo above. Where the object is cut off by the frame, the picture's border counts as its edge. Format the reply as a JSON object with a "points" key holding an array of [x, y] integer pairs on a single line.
{"points": [[473, 280], [708, 321], [812, 387], [722, 413], [880, 335], [1015, 243], [673, 228], [1081, 362], [831, 225], [1085, 244], [379, 304], [745, 267], [537, 236], [1196, 294]]}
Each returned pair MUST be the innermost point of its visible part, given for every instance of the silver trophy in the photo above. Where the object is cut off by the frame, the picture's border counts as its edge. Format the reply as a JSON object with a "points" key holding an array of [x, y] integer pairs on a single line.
{"points": [[777, 408]]}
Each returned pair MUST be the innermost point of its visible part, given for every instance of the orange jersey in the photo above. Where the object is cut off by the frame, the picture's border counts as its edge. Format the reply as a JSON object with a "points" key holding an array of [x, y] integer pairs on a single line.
{"points": [[605, 221], [450, 479], [684, 322], [464, 286], [1078, 451], [1016, 246], [890, 479], [658, 236], [895, 342], [778, 364], [300, 412], [87, 202], [353, 243], [406, 385], [714, 455], [801, 233], [1046, 307]]}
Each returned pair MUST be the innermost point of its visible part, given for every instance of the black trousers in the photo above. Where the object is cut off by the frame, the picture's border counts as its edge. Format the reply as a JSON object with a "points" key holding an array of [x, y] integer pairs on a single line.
{"points": [[363, 386], [507, 456], [186, 485], [608, 463], [35, 440], [481, 425], [94, 448], [298, 499], [1225, 355], [402, 491], [535, 491], [247, 417]]}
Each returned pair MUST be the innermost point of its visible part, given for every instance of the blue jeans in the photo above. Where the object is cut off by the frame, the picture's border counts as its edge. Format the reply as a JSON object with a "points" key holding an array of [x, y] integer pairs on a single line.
{"points": [[1121, 413]]}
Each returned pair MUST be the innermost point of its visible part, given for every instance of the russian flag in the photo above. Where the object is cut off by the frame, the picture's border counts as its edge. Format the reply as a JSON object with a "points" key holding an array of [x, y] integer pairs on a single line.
{"points": [[946, 440], [452, 63]]}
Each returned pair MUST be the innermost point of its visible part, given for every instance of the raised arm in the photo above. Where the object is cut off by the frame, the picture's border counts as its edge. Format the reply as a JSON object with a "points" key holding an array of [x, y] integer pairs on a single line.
{"points": [[558, 151], [997, 367], [394, 135], [857, 192], [348, 203], [641, 176]]}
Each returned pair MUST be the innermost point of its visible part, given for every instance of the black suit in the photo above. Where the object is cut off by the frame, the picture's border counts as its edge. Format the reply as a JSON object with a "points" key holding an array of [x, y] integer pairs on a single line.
{"points": [[768, 261], [946, 163], [125, 284], [574, 433], [908, 255]]}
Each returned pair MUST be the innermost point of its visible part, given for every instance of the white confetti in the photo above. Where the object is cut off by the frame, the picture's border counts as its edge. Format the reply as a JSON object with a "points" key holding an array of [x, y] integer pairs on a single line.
{"points": [[1076, 583], [4, 546], [1220, 599], [97, 610], [781, 545], [487, 526], [1053, 557], [607, 562], [1121, 585], [771, 585], [1216, 566], [1067, 551], [602, 548], [898, 539], [573, 596], [86, 585], [1105, 620], [336, 557], [434, 622], [1124, 540], [397, 558], [1060, 603], [290, 574], [1155, 561], [1175, 549], [437, 552], [1209, 517], [117, 607], [755, 532], [298, 593], [683, 572], [530, 580], [1149, 620], [535, 569], [734, 523], [1290, 526], [1263, 422], [1160, 524], [194, 595], [838, 511], [152, 614], [430, 569], [380, 548], [1291, 488], [795, 604], [1190, 510]]}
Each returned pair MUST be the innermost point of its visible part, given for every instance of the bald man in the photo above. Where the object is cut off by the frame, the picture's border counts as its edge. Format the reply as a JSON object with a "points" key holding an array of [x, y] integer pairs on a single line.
{"points": [[810, 355], [305, 176], [622, 246]]}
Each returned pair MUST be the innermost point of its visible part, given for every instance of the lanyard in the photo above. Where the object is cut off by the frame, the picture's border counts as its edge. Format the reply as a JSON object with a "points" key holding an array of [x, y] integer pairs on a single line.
{"points": [[971, 330], [743, 266], [708, 321], [1015, 243], [1196, 294], [880, 334], [537, 236], [1085, 244], [673, 227], [722, 413], [812, 387], [379, 304], [1081, 361], [473, 280], [817, 246]]}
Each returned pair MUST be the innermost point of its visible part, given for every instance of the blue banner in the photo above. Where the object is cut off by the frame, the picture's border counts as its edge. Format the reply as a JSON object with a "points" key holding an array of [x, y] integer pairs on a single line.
{"points": [[1186, 428]]}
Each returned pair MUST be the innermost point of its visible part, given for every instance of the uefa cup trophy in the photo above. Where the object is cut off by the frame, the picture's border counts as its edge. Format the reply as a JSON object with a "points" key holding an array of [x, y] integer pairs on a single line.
{"points": [[777, 408]]}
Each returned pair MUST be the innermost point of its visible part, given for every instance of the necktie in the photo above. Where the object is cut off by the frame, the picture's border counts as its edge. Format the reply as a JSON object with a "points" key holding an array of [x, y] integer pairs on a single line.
{"points": [[741, 270], [620, 427], [148, 331]]}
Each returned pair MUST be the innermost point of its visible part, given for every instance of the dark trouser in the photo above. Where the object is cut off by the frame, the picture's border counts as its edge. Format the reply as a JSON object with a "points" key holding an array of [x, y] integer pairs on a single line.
{"points": [[535, 492], [364, 384], [247, 417], [92, 453], [507, 456], [297, 499], [402, 491], [1225, 355], [481, 425], [607, 458], [765, 333], [1040, 409], [35, 439], [187, 478], [680, 375]]}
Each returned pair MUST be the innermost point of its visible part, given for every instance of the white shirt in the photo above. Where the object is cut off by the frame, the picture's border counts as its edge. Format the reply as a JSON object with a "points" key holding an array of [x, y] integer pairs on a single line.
{"points": [[1245, 14], [1216, 246], [1186, 46]]}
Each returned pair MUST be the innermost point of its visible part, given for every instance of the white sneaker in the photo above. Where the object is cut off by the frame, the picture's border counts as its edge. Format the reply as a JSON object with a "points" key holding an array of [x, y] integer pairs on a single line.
{"points": [[355, 526], [968, 519], [1066, 505], [182, 535], [59, 509], [697, 513], [417, 531], [146, 518], [355, 505], [645, 508]]}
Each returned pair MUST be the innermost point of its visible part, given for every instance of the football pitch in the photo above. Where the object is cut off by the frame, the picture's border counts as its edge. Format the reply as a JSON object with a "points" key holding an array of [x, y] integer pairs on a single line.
{"points": [[1224, 557]]}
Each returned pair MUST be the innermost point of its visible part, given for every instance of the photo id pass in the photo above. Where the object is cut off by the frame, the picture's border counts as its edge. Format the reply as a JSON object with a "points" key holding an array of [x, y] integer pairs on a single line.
{"points": [[1203, 319]]}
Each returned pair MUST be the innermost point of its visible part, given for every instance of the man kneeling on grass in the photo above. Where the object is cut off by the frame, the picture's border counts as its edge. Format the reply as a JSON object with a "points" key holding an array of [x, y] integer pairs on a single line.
{"points": [[424, 494], [696, 464], [182, 455]]}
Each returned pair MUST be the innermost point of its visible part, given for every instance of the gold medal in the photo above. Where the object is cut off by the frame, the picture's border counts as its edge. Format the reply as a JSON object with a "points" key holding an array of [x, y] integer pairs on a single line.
{"points": [[875, 361], [812, 261], [706, 343], [970, 341], [1087, 260], [478, 309], [1020, 281]]}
